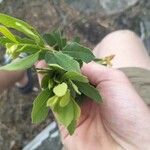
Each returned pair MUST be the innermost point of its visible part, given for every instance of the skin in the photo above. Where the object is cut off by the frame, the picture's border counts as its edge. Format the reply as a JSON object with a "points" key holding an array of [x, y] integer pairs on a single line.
{"points": [[9, 78], [122, 121]]}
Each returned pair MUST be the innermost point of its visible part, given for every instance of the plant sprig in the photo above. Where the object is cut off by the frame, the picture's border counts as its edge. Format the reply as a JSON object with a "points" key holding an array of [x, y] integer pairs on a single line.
{"points": [[63, 85]]}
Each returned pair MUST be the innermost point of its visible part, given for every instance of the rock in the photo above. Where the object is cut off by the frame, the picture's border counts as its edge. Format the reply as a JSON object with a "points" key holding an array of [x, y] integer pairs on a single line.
{"points": [[1, 1], [146, 33], [88, 6], [116, 6], [48, 139], [104, 7]]}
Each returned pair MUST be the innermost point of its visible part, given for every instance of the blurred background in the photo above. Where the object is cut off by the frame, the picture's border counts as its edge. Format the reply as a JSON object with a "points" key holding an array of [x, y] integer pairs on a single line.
{"points": [[91, 20]]}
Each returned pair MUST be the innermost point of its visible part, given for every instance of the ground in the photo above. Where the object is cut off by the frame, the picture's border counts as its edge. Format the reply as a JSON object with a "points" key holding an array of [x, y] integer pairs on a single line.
{"points": [[16, 129]]}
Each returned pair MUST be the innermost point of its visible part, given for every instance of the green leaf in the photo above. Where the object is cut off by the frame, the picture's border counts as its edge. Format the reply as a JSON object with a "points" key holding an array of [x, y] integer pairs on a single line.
{"points": [[65, 99], [60, 90], [80, 62], [72, 90], [50, 40], [11, 49], [24, 40], [68, 115], [52, 102], [55, 39], [65, 61], [28, 48], [89, 91], [57, 78], [61, 42], [65, 115], [40, 111], [8, 34], [56, 68], [76, 76], [15, 49], [21, 64], [76, 39], [77, 112], [21, 26], [75, 88], [79, 52], [50, 83], [44, 82], [4, 40], [72, 126]]}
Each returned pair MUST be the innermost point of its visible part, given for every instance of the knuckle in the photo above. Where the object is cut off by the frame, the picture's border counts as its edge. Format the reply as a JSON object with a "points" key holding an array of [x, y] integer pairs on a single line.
{"points": [[117, 74]]}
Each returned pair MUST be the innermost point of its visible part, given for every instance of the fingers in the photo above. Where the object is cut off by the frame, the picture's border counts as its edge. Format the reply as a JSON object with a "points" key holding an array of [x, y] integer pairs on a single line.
{"points": [[40, 64], [122, 110], [93, 71], [97, 73]]}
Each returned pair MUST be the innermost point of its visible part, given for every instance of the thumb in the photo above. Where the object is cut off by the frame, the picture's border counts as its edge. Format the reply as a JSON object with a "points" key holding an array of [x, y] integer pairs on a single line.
{"points": [[122, 110], [93, 71], [97, 73]]}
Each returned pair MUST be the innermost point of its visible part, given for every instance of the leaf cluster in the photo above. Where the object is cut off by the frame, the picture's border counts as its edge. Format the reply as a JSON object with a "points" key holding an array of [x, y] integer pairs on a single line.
{"points": [[63, 85]]}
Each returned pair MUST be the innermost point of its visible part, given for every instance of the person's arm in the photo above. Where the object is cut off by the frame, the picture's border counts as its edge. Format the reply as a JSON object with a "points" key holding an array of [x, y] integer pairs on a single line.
{"points": [[9, 78]]}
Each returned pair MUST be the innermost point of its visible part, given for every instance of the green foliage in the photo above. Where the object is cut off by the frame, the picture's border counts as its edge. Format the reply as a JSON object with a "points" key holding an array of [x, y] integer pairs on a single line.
{"points": [[55, 40], [65, 114], [75, 87], [21, 63], [89, 91], [62, 84], [39, 110], [75, 76], [77, 113], [15, 49], [65, 99], [63, 60], [7, 34], [60, 90], [45, 82], [4, 41], [76, 39], [79, 52], [21, 26]]}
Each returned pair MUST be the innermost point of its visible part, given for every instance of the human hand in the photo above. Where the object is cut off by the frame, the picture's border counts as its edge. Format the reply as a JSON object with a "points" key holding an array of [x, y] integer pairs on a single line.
{"points": [[122, 121], [40, 64]]}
